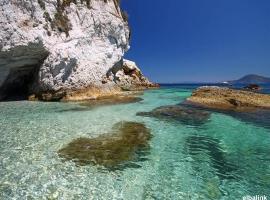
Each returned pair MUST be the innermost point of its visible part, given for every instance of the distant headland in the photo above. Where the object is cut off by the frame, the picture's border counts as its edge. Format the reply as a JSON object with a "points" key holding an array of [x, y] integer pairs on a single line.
{"points": [[251, 79]]}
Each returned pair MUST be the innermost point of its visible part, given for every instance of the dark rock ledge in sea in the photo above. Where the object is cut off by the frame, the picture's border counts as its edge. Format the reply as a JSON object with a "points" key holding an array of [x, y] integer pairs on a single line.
{"points": [[179, 113], [71, 50], [127, 143]]}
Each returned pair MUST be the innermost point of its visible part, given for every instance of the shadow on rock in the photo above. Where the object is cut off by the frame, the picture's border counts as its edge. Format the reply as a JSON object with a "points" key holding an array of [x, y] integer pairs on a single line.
{"points": [[205, 148], [125, 145], [179, 113]]}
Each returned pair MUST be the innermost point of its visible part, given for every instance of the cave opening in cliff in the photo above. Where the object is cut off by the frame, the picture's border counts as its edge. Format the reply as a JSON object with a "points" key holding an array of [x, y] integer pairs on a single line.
{"points": [[21, 66], [18, 83]]}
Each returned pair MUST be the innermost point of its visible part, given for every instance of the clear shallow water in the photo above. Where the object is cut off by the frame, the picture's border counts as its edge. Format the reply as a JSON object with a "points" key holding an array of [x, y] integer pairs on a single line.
{"points": [[225, 158]]}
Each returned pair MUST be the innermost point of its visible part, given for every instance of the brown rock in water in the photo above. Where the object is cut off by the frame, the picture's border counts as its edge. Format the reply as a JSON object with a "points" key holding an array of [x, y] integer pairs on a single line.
{"points": [[125, 143], [229, 99], [180, 113]]}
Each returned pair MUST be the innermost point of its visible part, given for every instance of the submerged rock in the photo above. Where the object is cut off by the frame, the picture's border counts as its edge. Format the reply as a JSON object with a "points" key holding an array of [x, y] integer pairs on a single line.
{"points": [[113, 100], [180, 113], [58, 49], [229, 99], [127, 142]]}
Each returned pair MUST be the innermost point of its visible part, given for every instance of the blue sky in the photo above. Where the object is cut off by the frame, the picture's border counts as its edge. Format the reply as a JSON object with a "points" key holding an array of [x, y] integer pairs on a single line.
{"points": [[199, 40]]}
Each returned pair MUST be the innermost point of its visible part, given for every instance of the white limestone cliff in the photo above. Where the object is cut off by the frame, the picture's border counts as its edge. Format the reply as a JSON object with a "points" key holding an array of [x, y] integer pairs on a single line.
{"points": [[56, 47]]}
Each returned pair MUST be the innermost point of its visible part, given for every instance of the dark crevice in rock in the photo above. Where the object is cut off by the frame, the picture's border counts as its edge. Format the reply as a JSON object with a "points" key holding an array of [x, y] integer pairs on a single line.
{"points": [[16, 86]]}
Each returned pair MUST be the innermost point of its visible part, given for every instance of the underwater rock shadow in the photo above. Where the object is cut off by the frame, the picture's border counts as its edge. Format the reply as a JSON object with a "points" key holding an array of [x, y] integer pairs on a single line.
{"points": [[256, 116], [75, 109], [127, 144], [197, 145], [179, 113], [92, 104]]}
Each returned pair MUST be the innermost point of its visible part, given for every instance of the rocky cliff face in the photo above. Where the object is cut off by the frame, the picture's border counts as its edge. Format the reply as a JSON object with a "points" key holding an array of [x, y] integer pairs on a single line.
{"points": [[53, 48]]}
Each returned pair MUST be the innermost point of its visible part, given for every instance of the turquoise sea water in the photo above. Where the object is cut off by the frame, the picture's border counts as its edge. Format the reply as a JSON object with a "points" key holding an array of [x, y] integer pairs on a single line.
{"points": [[225, 158]]}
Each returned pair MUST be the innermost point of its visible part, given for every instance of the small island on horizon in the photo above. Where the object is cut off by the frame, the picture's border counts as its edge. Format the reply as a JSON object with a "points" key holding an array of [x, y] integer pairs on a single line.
{"points": [[251, 79], [245, 80]]}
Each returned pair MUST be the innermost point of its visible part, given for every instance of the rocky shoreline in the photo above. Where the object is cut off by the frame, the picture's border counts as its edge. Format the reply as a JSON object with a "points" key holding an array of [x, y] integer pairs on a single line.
{"points": [[128, 80], [223, 98]]}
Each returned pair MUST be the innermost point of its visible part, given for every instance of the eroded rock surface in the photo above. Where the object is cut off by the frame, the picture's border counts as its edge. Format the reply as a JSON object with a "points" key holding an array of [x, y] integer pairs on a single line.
{"points": [[65, 48], [127, 142], [128, 76], [229, 99]]}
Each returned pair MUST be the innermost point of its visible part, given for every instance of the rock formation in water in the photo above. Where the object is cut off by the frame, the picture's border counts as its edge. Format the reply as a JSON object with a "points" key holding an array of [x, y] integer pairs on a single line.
{"points": [[128, 141], [70, 49], [229, 99], [179, 113]]}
